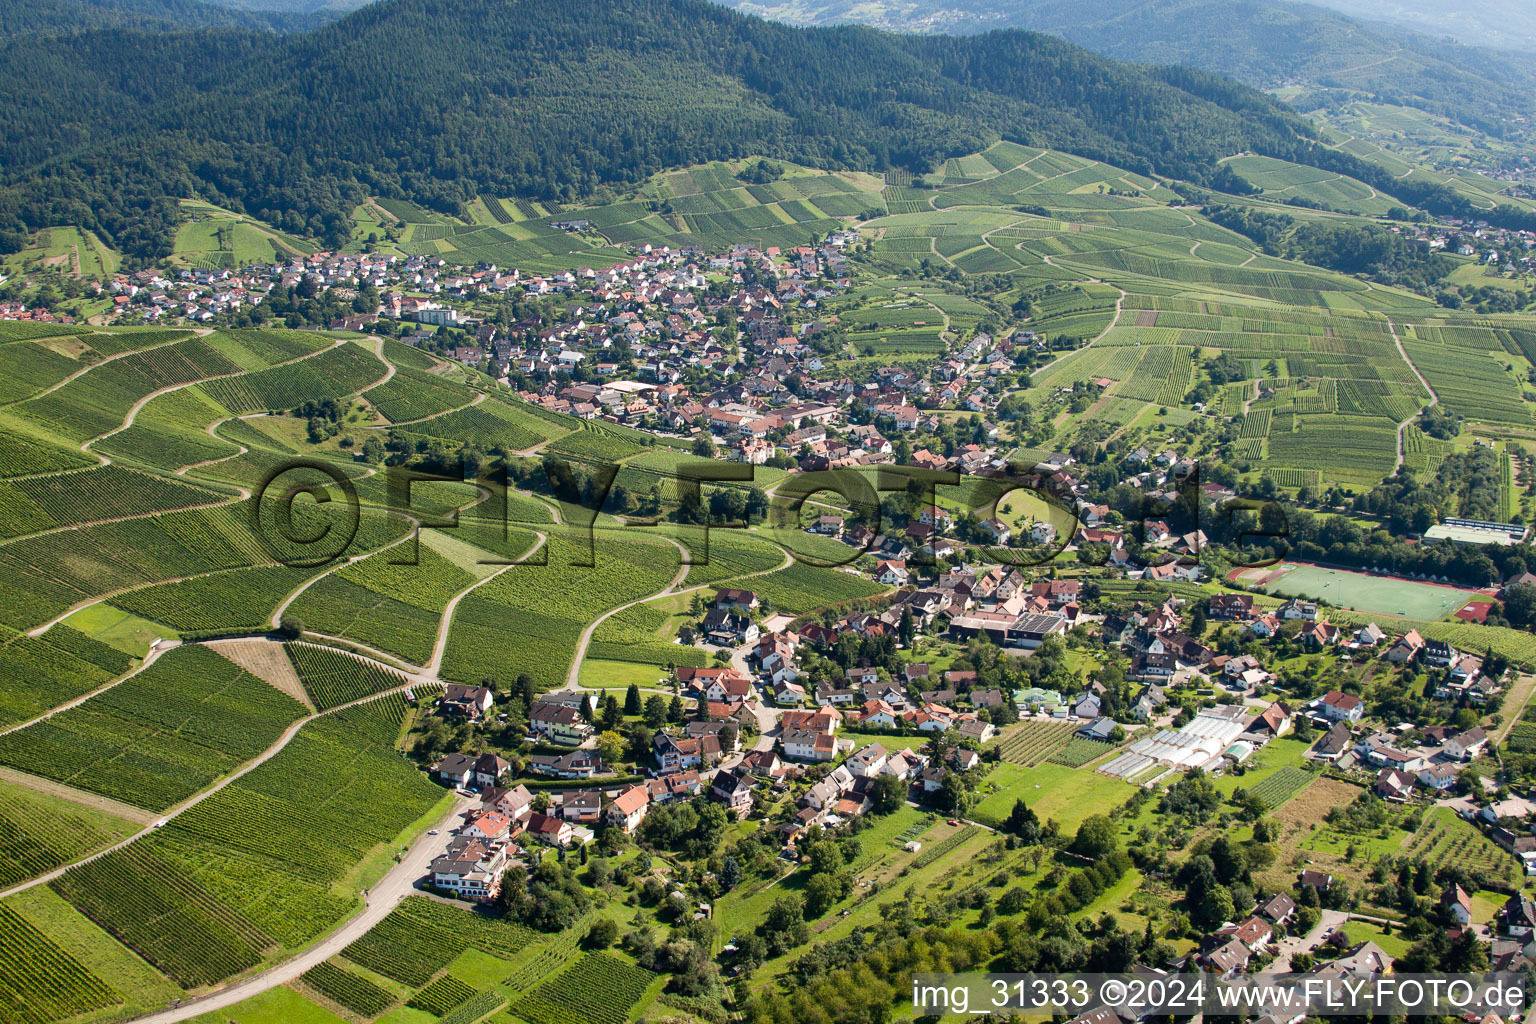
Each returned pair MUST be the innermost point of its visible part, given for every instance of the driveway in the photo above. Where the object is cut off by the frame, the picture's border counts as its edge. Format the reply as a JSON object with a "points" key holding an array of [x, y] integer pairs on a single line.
{"points": [[1327, 921]]}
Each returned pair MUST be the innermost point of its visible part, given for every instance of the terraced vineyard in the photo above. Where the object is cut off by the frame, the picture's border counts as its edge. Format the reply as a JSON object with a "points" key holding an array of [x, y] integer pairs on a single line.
{"points": [[531, 617], [417, 940], [232, 599], [59, 666], [492, 423], [332, 678], [170, 920], [338, 371], [634, 635], [1153, 327], [41, 983], [800, 588], [109, 492], [413, 394], [38, 834], [159, 736], [328, 798], [442, 997], [1444, 838]]}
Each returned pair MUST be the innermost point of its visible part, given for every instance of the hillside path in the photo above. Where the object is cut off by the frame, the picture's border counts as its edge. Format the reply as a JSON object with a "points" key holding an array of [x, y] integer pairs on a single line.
{"points": [[1434, 399]]}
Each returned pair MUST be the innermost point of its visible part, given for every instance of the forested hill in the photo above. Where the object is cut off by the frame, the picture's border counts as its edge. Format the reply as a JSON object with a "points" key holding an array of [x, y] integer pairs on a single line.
{"points": [[55, 17], [1261, 42], [437, 100]]}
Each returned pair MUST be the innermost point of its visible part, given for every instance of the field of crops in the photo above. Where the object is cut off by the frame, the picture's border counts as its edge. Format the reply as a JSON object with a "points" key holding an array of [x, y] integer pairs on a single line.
{"points": [[160, 736], [40, 982], [800, 588], [58, 666], [99, 400], [37, 834], [932, 852], [1281, 786], [333, 678], [420, 938], [480, 1006], [597, 989], [1079, 752], [489, 425], [347, 990], [442, 997], [1031, 742], [89, 495], [339, 371], [528, 619], [234, 599], [633, 635], [21, 455], [1443, 838], [164, 916]]}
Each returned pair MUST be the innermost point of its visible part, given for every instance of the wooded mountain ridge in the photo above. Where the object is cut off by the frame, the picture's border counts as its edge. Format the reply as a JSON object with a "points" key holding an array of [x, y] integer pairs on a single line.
{"points": [[1264, 43], [440, 100]]}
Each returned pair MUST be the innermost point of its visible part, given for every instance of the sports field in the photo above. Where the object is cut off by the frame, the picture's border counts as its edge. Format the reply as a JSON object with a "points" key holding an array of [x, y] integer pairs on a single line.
{"points": [[1379, 595]]}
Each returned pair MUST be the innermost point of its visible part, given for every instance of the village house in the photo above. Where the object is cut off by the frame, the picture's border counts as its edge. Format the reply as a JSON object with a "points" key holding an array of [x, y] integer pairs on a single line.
{"points": [[1406, 649], [477, 770], [550, 830], [578, 764], [469, 702], [1464, 746], [471, 868], [558, 723], [627, 810], [1340, 707], [680, 753], [734, 790]]}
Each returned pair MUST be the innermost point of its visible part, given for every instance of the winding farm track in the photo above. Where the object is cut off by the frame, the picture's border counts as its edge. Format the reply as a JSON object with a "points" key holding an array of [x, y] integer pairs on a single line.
{"points": [[149, 659], [479, 397], [400, 879], [193, 332], [213, 431], [199, 797], [579, 655], [440, 645], [1114, 321], [1434, 399], [241, 492], [133, 411]]}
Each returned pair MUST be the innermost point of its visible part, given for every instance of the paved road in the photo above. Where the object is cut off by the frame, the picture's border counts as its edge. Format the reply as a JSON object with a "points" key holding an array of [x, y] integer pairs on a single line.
{"points": [[382, 898]]}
